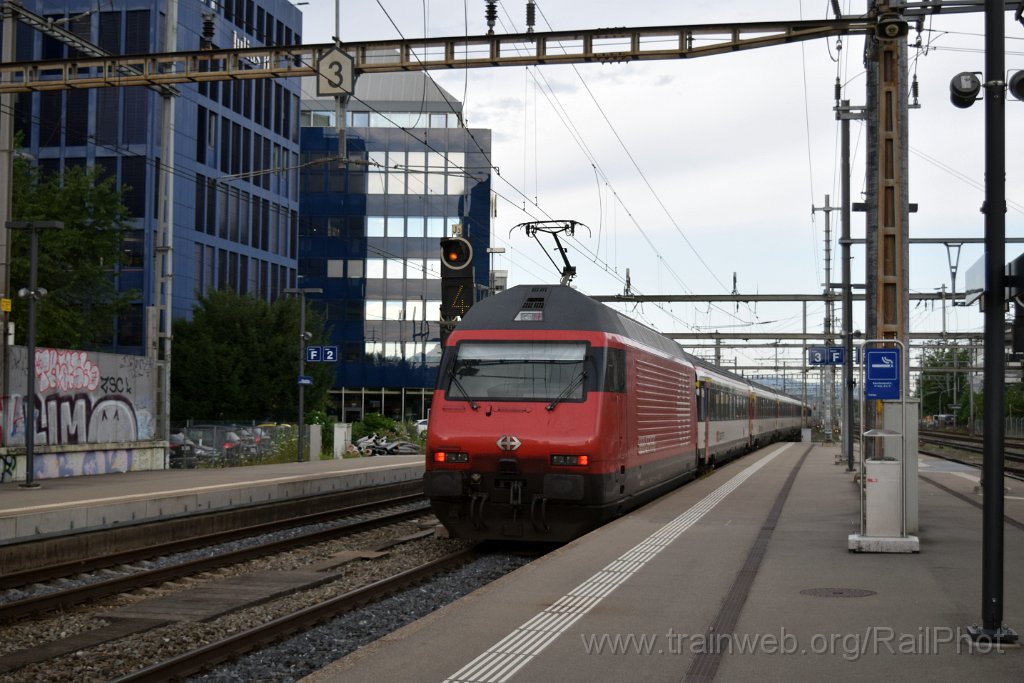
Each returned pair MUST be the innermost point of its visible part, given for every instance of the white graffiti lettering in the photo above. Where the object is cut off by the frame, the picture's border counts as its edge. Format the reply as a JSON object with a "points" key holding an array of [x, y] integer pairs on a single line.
{"points": [[65, 371]]}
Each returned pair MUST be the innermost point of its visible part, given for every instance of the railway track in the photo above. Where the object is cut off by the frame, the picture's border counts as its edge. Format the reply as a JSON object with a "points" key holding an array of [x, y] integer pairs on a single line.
{"points": [[204, 608], [53, 557], [968, 450], [370, 516], [200, 659]]}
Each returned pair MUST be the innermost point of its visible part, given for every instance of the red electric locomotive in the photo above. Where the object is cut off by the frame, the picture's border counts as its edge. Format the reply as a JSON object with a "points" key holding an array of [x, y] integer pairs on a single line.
{"points": [[554, 413]]}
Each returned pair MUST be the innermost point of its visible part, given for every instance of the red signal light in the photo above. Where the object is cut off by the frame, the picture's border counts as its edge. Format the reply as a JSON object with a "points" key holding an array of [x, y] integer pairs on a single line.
{"points": [[456, 252]]}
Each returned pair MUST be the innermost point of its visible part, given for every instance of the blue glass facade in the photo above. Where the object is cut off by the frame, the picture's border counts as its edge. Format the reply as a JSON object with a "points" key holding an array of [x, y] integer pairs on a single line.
{"points": [[369, 237], [235, 188]]}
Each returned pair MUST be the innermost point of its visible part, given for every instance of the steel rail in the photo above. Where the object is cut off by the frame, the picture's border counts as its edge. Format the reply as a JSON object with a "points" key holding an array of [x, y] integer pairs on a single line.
{"points": [[195, 661], [74, 596]]}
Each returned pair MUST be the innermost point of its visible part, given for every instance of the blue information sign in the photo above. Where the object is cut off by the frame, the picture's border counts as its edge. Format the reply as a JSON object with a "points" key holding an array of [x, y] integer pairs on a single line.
{"points": [[817, 355], [330, 354], [305, 380], [826, 355], [882, 374], [314, 354]]}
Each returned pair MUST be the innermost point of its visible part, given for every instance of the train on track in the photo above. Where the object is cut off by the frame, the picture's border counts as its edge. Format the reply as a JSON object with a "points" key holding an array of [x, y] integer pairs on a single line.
{"points": [[554, 413]]}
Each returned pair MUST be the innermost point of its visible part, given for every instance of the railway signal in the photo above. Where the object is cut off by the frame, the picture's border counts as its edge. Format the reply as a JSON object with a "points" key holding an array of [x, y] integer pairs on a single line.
{"points": [[458, 290]]}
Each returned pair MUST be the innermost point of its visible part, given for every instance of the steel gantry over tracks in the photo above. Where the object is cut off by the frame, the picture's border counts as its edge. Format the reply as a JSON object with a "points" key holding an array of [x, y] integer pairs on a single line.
{"points": [[518, 49]]}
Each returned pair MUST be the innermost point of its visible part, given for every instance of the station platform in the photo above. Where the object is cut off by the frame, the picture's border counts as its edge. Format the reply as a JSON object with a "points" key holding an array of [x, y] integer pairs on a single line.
{"points": [[76, 504], [742, 575]]}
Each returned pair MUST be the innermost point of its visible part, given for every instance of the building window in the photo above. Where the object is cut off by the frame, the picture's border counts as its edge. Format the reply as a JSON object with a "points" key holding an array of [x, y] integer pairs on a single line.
{"points": [[414, 269], [374, 269], [414, 310], [435, 173], [374, 226], [456, 173], [394, 310], [414, 226], [374, 310], [413, 351], [355, 268], [376, 172], [395, 269], [395, 226], [435, 227], [433, 268], [417, 176], [335, 268], [433, 308]]}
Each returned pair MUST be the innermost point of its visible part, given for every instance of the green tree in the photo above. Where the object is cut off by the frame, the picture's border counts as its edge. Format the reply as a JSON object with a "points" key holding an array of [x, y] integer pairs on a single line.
{"points": [[941, 387], [238, 358], [75, 264]]}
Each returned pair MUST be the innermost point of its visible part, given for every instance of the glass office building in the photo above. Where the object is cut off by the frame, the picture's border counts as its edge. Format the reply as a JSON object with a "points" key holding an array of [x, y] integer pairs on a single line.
{"points": [[235, 190], [370, 227]]}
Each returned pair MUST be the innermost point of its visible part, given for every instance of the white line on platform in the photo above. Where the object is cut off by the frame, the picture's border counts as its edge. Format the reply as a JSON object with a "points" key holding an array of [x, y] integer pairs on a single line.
{"points": [[517, 649], [195, 489]]}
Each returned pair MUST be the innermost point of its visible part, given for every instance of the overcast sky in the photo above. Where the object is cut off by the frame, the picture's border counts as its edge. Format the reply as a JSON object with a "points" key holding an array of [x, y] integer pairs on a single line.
{"points": [[732, 150]]}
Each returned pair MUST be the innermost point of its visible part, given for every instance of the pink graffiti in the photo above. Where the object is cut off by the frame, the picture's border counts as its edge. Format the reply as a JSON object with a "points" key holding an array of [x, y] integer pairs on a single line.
{"points": [[65, 370]]}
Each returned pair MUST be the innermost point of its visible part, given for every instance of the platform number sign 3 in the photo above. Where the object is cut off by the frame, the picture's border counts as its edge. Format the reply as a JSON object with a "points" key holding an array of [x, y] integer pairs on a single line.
{"points": [[334, 73]]}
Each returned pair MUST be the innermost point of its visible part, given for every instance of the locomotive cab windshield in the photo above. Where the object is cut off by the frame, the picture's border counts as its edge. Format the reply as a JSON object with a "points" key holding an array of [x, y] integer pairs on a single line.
{"points": [[517, 371]]}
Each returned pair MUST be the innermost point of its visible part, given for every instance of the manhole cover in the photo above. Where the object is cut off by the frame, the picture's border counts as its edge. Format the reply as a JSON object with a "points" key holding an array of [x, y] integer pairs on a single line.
{"points": [[837, 592]]}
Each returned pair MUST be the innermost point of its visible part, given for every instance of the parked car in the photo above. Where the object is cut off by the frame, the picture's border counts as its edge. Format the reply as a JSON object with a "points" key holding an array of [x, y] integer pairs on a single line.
{"points": [[186, 453], [421, 427]]}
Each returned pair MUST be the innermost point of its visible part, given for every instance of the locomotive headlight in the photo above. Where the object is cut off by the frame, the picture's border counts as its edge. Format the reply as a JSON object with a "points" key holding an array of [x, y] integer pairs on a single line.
{"points": [[448, 457], [570, 460]]}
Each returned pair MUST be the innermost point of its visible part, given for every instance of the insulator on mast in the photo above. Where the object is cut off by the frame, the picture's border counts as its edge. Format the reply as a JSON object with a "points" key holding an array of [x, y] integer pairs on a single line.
{"points": [[206, 39], [492, 15], [531, 15]]}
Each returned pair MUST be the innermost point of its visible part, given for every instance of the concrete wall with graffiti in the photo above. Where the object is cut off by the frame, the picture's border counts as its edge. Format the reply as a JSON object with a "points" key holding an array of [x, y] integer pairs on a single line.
{"points": [[94, 414]]}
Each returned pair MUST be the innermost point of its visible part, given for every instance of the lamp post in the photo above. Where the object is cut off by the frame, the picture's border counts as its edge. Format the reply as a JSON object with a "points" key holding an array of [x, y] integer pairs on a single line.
{"points": [[33, 293], [303, 338]]}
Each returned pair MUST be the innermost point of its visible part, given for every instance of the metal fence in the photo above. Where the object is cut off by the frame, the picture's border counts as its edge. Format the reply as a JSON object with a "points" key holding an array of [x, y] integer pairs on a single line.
{"points": [[211, 444], [1014, 426]]}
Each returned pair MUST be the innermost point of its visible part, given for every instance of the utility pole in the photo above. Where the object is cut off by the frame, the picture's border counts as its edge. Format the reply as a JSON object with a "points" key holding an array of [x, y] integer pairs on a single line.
{"points": [[302, 379], [994, 431], [6, 169], [828, 371], [845, 113], [158, 331]]}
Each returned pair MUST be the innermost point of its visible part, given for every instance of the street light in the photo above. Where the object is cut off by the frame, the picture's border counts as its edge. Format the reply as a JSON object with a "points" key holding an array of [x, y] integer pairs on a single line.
{"points": [[303, 338], [33, 293]]}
